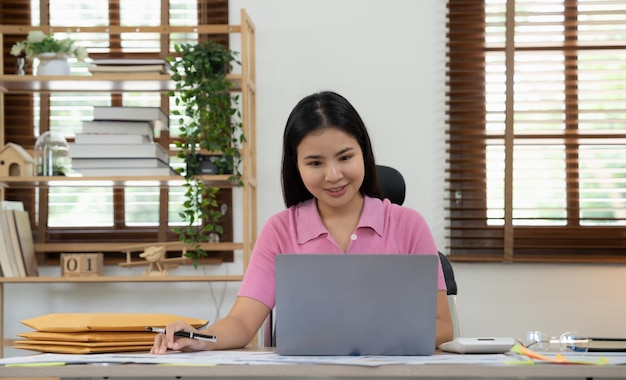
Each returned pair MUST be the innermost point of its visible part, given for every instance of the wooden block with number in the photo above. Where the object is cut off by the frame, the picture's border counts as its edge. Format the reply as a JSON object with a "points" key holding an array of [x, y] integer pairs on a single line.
{"points": [[81, 264]]}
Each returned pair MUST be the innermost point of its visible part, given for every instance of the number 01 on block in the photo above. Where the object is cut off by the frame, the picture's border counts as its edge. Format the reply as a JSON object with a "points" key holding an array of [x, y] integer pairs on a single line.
{"points": [[81, 264]]}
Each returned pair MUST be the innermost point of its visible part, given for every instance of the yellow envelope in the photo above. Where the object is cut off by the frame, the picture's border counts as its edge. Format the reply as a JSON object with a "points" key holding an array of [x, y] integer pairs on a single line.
{"points": [[30, 343], [81, 322], [95, 336], [59, 349]]}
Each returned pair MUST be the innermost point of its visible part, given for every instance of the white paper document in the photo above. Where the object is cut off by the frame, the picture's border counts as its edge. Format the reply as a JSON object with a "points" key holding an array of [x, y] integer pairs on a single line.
{"points": [[244, 357], [247, 357]]}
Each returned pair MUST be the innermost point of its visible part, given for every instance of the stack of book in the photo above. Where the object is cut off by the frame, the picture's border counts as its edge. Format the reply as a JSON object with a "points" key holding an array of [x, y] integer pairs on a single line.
{"points": [[119, 141], [129, 66], [17, 249]]}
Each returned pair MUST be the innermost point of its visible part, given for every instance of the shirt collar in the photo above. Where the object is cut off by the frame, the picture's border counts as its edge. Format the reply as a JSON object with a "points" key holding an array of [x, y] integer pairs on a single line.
{"points": [[309, 223]]}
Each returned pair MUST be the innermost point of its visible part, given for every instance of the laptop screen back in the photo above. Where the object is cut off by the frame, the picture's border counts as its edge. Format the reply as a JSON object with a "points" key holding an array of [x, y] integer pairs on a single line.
{"points": [[356, 304]]}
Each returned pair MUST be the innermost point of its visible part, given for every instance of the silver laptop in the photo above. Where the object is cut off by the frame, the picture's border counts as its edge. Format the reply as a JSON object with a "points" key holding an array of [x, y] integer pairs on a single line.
{"points": [[355, 304]]}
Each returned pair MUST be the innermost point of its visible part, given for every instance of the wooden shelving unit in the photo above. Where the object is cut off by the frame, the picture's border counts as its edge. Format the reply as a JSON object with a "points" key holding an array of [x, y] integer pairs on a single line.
{"points": [[24, 84], [105, 279], [245, 83], [120, 181]]}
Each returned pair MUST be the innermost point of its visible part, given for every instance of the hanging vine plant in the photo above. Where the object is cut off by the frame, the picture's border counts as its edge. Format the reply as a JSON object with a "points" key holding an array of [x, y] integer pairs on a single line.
{"points": [[210, 125]]}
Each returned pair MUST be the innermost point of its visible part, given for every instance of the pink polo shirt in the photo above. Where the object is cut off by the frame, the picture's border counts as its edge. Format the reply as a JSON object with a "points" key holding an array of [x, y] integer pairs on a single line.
{"points": [[384, 228]]}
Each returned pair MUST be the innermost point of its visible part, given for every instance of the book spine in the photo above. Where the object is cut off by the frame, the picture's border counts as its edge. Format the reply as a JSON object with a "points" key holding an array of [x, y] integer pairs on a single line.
{"points": [[111, 138], [119, 127], [152, 114], [27, 244], [9, 218], [95, 163], [8, 262], [12, 269], [151, 150]]}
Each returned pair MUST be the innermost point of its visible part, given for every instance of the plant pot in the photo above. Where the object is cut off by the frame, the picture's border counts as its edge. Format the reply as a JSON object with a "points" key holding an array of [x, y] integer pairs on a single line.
{"points": [[209, 164], [53, 64]]}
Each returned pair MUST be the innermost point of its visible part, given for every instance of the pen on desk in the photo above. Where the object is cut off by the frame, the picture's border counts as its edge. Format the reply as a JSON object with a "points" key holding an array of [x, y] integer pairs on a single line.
{"points": [[185, 334]]}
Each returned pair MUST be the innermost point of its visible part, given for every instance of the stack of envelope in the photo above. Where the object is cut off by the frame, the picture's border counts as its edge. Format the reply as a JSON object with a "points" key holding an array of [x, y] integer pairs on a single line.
{"points": [[84, 333]]}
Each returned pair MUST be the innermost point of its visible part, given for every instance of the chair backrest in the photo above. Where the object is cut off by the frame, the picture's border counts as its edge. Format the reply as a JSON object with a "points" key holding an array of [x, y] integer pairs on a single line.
{"points": [[392, 183], [393, 187], [448, 274]]}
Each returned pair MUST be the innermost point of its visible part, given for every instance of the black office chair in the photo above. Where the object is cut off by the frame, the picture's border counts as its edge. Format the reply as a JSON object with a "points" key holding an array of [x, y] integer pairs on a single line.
{"points": [[392, 183], [394, 188]]}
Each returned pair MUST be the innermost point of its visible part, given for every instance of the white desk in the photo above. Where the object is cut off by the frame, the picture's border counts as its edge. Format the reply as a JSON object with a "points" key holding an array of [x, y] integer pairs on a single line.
{"points": [[299, 371], [253, 364]]}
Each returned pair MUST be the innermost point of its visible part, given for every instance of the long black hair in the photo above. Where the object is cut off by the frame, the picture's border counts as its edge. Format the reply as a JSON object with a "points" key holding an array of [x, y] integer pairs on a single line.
{"points": [[315, 112]]}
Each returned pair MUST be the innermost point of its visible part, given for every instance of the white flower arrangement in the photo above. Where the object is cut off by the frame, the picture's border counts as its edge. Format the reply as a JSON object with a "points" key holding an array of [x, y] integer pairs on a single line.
{"points": [[37, 42]]}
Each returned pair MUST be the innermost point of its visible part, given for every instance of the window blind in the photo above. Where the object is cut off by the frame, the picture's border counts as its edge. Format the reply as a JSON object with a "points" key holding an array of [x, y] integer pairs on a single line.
{"points": [[536, 114]]}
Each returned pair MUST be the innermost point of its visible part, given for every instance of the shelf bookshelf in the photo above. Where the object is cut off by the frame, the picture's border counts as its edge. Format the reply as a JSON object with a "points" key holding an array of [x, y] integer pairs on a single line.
{"points": [[244, 83], [221, 181], [122, 279], [142, 82]]}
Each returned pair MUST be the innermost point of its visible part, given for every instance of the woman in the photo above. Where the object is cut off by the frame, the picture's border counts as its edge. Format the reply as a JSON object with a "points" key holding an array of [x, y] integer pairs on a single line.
{"points": [[334, 205]]}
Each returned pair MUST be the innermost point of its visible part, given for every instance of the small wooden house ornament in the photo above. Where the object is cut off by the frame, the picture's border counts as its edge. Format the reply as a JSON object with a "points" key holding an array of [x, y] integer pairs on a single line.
{"points": [[15, 161]]}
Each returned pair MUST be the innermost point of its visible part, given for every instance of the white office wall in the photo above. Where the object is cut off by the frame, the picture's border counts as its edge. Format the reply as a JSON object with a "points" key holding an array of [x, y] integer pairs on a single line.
{"points": [[387, 58]]}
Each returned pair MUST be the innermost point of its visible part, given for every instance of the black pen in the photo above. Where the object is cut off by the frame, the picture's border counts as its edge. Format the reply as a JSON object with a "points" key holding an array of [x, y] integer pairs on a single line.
{"points": [[185, 334]]}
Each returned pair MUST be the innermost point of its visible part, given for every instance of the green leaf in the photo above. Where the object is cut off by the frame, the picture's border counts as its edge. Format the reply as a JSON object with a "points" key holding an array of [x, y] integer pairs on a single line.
{"points": [[209, 121]]}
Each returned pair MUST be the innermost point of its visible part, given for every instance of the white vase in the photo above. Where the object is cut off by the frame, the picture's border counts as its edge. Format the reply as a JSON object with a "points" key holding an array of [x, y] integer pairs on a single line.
{"points": [[53, 64]]}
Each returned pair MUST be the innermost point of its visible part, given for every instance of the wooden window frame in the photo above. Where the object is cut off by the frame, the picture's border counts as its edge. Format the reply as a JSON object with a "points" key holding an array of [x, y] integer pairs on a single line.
{"points": [[470, 238], [18, 123]]}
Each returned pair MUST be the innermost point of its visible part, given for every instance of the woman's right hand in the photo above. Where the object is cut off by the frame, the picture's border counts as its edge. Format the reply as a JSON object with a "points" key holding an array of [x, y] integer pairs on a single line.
{"points": [[163, 342]]}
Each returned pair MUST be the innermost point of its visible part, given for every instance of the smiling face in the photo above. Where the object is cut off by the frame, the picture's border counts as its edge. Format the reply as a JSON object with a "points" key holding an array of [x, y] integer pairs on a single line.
{"points": [[330, 163]]}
